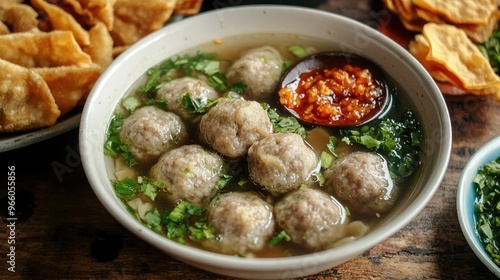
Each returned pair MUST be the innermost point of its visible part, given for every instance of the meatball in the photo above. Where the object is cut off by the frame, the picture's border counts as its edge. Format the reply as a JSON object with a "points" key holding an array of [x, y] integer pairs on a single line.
{"points": [[312, 218], [173, 91], [260, 70], [233, 125], [361, 180], [190, 173], [149, 132], [242, 221], [281, 162]]}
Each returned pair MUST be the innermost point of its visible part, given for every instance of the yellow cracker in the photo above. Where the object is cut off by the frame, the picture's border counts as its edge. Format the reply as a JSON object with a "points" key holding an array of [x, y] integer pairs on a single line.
{"points": [[42, 49], [136, 19], [461, 11], [61, 20], [450, 47], [406, 10], [25, 99], [390, 5], [419, 48], [92, 11], [20, 17], [4, 29], [69, 84], [188, 7], [481, 33], [101, 46]]}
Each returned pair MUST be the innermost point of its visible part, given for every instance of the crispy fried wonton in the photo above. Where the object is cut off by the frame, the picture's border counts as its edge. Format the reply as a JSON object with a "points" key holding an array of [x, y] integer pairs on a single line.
{"points": [[25, 99]]}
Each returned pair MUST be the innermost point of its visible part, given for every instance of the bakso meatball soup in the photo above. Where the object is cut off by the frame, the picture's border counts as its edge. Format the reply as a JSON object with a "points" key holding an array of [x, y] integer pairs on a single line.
{"points": [[204, 154]]}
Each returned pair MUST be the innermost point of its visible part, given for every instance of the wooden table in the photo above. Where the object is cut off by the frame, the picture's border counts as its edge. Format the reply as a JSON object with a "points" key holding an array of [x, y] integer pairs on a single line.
{"points": [[63, 231]]}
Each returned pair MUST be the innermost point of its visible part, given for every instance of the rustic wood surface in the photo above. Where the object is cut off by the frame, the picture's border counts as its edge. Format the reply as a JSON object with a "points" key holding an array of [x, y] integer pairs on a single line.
{"points": [[63, 232]]}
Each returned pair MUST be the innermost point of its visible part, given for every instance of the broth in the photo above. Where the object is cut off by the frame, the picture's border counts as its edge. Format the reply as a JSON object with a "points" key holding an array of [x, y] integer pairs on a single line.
{"points": [[228, 50]]}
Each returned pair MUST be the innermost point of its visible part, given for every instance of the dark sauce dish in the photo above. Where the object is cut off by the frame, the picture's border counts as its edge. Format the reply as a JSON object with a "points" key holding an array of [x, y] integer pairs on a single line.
{"points": [[334, 89]]}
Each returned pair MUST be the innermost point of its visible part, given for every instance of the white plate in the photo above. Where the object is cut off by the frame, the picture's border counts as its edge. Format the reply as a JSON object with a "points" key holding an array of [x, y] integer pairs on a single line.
{"points": [[465, 200], [18, 140]]}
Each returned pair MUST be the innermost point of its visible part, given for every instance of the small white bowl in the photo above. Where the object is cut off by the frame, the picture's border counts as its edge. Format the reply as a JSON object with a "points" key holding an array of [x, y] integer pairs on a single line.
{"points": [[344, 34], [465, 200]]}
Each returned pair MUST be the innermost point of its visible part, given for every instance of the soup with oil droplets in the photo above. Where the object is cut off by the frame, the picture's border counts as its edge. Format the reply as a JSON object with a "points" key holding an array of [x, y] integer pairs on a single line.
{"points": [[204, 155]]}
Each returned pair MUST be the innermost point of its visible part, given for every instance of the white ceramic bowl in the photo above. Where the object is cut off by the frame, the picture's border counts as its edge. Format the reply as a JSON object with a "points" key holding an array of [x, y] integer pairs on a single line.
{"points": [[465, 200], [345, 34]]}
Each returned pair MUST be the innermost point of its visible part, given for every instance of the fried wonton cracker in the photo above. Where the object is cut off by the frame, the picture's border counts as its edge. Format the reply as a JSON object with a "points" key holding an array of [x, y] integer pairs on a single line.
{"points": [[42, 49], [188, 7], [419, 48], [136, 19], [25, 99], [62, 20], [406, 9], [19, 17], [390, 5], [92, 11], [462, 11], [450, 47], [4, 29], [481, 33], [69, 84], [101, 45]]}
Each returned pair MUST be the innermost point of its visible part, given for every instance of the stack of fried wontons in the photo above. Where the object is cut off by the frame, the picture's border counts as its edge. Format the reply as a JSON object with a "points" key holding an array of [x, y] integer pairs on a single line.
{"points": [[53, 51], [446, 45]]}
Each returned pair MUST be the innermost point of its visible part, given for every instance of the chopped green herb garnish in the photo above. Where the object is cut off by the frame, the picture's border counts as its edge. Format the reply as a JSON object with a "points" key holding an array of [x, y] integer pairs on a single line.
{"points": [[239, 87], [201, 63], [177, 223], [127, 188], [131, 103], [326, 160], [243, 181], [487, 207], [398, 141], [201, 230], [224, 179], [197, 105], [150, 187], [491, 51], [114, 146], [332, 144], [281, 236], [152, 221], [298, 51], [283, 124], [159, 103]]}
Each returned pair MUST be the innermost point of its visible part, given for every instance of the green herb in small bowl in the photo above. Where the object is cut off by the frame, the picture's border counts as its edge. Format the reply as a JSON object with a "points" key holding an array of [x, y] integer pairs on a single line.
{"points": [[478, 204]]}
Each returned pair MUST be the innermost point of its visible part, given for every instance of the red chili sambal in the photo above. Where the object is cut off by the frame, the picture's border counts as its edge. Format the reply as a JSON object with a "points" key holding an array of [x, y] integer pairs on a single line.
{"points": [[336, 96]]}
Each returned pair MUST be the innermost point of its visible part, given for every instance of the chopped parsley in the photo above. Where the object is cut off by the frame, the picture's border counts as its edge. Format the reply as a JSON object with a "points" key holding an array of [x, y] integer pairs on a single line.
{"points": [[202, 63], [397, 140], [283, 124], [177, 223], [281, 236], [487, 207], [491, 51], [186, 219], [298, 51], [131, 103], [239, 87], [114, 146], [327, 158], [196, 105], [127, 188]]}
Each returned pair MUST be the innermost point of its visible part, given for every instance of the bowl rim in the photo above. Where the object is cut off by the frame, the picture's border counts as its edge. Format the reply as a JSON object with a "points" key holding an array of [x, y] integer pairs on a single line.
{"points": [[264, 264], [465, 199]]}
